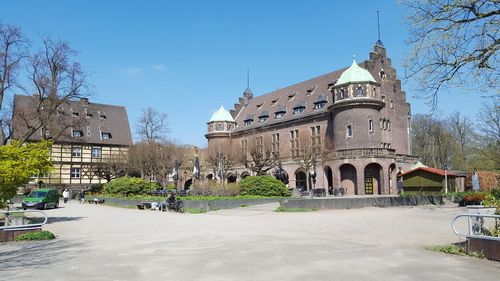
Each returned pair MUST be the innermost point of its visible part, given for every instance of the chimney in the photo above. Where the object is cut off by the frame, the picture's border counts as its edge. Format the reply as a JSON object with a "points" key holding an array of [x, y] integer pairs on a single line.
{"points": [[84, 101]]}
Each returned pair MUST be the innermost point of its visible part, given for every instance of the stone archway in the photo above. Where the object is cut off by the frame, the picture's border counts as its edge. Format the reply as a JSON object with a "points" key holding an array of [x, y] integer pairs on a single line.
{"points": [[300, 180], [349, 179], [188, 184], [244, 175], [231, 178], [373, 183], [329, 177], [392, 178]]}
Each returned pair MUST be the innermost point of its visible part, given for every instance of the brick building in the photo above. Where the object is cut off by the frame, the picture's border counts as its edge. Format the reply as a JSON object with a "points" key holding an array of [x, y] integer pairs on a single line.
{"points": [[92, 139], [358, 114]]}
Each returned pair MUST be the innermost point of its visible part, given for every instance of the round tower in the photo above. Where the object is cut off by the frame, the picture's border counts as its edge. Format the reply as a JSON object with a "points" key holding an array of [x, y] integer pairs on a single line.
{"points": [[220, 126], [356, 109]]}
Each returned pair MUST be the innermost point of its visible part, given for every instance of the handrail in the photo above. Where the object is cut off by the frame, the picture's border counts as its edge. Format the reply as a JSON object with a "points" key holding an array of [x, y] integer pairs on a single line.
{"points": [[471, 225], [24, 226]]}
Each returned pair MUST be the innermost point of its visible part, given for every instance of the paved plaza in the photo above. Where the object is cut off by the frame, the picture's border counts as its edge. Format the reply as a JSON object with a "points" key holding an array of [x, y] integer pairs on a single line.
{"points": [[98, 242]]}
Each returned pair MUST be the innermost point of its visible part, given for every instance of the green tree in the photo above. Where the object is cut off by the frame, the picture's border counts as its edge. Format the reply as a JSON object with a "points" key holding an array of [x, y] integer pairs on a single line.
{"points": [[18, 163]]}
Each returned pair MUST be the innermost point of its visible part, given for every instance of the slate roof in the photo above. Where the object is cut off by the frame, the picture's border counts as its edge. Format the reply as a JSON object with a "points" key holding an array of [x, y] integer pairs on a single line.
{"points": [[105, 119], [307, 93]]}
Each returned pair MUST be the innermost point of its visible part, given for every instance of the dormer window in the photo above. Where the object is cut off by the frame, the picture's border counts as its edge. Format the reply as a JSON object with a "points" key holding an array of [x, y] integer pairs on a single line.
{"points": [[89, 115], [319, 105], [75, 113], [105, 136], [320, 102], [274, 102], [280, 114], [102, 115], [299, 108], [264, 116], [259, 106], [77, 134], [291, 97], [359, 92], [248, 121]]}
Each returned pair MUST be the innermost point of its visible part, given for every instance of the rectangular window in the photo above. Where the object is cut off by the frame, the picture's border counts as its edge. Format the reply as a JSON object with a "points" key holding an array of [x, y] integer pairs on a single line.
{"points": [[370, 125], [76, 152], [75, 173], [275, 144], [244, 146], [316, 136], [348, 132], [259, 142], [77, 134], [294, 142], [105, 136], [96, 152], [392, 103]]}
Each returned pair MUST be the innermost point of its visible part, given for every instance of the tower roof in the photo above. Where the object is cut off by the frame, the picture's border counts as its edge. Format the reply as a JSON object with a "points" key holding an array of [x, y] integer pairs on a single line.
{"points": [[354, 74], [221, 115]]}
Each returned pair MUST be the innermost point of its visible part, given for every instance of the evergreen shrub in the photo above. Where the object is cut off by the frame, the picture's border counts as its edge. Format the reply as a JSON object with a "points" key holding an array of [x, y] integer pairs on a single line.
{"points": [[263, 186], [129, 186]]}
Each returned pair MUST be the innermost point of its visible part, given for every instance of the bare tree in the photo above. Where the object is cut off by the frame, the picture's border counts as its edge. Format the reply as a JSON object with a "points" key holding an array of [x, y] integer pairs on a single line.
{"points": [[489, 128], [56, 80], [433, 141], [149, 158], [12, 50], [258, 156], [454, 43], [463, 133], [222, 156], [152, 125], [311, 151], [111, 168]]}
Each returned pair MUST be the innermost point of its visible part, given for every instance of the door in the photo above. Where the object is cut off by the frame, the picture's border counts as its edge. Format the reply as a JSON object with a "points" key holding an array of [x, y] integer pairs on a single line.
{"points": [[368, 185]]}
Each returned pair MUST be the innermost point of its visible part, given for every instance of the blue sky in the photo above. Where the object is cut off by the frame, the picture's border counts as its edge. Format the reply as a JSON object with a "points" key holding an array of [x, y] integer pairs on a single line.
{"points": [[185, 58]]}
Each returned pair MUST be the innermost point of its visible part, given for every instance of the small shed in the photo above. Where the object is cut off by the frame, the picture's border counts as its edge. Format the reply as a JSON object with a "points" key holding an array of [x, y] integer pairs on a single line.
{"points": [[427, 180]]}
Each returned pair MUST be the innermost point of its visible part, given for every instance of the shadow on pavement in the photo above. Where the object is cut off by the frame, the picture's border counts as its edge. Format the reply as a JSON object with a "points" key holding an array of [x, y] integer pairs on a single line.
{"points": [[20, 255], [63, 219]]}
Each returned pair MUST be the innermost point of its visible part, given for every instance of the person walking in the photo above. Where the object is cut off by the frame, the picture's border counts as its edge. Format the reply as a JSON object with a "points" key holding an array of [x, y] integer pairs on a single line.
{"points": [[82, 196], [65, 195]]}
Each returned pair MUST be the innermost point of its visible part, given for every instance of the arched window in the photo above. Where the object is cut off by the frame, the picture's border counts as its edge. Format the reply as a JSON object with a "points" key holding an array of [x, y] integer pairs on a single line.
{"points": [[359, 92], [219, 126], [342, 94]]}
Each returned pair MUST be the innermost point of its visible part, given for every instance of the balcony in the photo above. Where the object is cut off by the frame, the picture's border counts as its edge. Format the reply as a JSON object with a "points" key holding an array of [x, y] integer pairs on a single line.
{"points": [[365, 153]]}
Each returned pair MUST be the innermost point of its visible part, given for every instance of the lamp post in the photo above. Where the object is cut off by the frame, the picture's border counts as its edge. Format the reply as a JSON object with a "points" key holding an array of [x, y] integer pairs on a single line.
{"points": [[445, 178]]}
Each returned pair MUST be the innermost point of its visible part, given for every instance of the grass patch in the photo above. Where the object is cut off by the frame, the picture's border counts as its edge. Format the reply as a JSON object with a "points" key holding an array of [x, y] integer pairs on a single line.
{"points": [[455, 249], [243, 205], [36, 236], [282, 209], [194, 211]]}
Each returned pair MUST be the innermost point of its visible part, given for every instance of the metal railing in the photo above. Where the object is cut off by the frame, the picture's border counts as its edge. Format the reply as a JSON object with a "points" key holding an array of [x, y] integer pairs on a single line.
{"points": [[475, 226], [28, 226]]}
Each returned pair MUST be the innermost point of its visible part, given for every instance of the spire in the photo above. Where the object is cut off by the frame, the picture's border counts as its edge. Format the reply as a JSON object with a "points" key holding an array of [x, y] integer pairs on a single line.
{"points": [[248, 92], [379, 42], [248, 78]]}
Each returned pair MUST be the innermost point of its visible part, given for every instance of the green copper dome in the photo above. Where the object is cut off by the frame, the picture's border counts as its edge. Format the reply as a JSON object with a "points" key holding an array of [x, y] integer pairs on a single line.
{"points": [[221, 115], [355, 74]]}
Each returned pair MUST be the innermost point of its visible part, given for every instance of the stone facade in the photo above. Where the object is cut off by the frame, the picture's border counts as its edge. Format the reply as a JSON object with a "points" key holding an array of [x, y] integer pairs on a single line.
{"points": [[359, 114]]}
